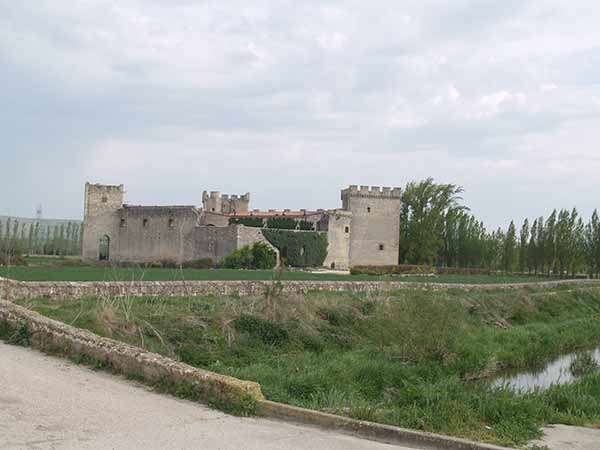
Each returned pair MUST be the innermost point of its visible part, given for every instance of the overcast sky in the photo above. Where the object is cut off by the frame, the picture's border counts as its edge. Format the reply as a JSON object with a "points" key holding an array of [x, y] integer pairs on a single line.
{"points": [[294, 100]]}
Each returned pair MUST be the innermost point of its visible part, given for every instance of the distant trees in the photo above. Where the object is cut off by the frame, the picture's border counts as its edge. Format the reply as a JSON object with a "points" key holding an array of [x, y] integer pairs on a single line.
{"points": [[35, 239], [436, 229]]}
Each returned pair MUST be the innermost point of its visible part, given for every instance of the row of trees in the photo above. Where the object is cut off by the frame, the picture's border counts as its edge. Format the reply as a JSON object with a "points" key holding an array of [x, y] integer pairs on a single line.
{"points": [[437, 229], [38, 239]]}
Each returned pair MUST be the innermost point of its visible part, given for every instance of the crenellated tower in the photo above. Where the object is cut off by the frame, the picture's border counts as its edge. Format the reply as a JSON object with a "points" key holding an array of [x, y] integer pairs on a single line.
{"points": [[225, 204], [375, 224]]}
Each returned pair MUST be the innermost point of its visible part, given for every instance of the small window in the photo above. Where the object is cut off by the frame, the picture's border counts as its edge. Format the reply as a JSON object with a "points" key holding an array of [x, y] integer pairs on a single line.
{"points": [[213, 209], [347, 230], [104, 199], [145, 223], [381, 247], [171, 223], [368, 209], [123, 223]]}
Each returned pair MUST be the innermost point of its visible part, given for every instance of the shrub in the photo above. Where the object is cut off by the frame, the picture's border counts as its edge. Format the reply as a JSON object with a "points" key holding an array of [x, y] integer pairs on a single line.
{"points": [[299, 249], [270, 333], [263, 257], [282, 223], [239, 259], [258, 256], [255, 222]]}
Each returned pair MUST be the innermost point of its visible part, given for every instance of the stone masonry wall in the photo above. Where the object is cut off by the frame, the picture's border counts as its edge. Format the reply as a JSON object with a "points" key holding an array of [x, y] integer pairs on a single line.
{"points": [[339, 231], [18, 290]]}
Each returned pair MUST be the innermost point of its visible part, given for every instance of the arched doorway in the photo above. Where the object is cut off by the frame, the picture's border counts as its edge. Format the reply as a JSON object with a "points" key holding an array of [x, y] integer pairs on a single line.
{"points": [[104, 248]]}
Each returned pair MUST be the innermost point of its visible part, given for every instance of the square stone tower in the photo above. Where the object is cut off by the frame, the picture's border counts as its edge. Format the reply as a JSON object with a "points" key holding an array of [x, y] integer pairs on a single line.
{"points": [[375, 231], [100, 220]]}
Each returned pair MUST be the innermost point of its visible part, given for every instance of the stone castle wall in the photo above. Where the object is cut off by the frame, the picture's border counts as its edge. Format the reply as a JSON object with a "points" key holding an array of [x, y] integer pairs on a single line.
{"points": [[154, 233], [364, 232]]}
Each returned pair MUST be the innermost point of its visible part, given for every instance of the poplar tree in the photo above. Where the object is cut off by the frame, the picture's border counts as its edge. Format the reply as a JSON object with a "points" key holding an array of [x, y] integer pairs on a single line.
{"points": [[510, 244], [523, 242]]}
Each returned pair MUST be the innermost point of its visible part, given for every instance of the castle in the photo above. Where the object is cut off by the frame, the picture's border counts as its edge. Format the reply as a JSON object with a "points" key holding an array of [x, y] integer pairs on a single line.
{"points": [[364, 231]]}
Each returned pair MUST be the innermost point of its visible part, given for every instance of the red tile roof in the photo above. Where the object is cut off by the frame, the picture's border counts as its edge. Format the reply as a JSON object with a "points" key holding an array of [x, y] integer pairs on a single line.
{"points": [[272, 213]]}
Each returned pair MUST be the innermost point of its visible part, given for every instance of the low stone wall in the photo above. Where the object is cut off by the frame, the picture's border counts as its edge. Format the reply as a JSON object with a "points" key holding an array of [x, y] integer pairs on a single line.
{"points": [[20, 290], [56, 337]]}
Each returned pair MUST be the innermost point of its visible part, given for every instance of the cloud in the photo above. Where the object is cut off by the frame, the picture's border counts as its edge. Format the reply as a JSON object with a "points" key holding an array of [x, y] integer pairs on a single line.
{"points": [[293, 100]]}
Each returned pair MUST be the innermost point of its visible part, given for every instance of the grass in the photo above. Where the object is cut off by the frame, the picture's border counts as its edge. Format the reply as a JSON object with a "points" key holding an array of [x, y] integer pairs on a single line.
{"points": [[46, 272], [420, 360]]}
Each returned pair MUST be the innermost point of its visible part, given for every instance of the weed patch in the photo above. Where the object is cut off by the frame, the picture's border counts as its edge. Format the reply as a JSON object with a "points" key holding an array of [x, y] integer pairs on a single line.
{"points": [[413, 359]]}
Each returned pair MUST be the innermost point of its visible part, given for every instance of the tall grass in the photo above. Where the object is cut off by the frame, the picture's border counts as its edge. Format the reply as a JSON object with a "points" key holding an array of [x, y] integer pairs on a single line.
{"points": [[414, 359]]}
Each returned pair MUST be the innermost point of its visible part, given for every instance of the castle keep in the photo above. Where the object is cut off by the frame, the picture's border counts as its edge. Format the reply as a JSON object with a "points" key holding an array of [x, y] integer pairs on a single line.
{"points": [[364, 231]]}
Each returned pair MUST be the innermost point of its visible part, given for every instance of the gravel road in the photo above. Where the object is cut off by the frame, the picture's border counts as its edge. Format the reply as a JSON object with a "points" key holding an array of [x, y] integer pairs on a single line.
{"points": [[51, 403]]}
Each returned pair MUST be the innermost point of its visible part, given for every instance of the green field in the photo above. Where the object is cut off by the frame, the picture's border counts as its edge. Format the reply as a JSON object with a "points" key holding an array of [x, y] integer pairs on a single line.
{"points": [[415, 359], [47, 272]]}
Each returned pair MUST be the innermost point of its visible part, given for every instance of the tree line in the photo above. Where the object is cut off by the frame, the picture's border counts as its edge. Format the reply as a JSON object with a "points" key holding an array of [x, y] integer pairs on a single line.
{"points": [[437, 229], [39, 239]]}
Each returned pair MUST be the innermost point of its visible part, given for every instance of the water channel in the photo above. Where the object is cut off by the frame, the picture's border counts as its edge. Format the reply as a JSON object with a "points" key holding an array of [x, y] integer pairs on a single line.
{"points": [[555, 372]]}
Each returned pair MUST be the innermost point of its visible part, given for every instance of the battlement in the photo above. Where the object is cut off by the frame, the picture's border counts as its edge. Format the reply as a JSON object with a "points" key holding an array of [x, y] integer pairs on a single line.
{"points": [[225, 203], [371, 191], [217, 195]]}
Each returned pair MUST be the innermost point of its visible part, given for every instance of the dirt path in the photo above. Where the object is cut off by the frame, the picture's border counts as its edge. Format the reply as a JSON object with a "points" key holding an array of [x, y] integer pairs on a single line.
{"points": [[563, 437], [50, 403]]}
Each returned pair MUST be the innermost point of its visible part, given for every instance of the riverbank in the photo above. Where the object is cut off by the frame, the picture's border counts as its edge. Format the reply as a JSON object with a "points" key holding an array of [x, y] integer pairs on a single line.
{"points": [[414, 359]]}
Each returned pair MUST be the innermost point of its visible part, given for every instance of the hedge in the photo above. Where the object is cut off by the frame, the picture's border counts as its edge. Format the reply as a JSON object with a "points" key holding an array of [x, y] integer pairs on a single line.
{"points": [[282, 223], [299, 249], [255, 222], [305, 225]]}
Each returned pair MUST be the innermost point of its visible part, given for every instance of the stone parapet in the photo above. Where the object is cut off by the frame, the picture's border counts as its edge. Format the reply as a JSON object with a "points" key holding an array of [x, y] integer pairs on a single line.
{"points": [[56, 337], [372, 191]]}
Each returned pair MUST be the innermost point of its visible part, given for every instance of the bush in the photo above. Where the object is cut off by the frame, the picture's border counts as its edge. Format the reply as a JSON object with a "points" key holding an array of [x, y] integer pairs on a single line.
{"points": [[255, 222], [282, 223], [263, 257], [270, 333], [299, 249], [258, 256]]}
